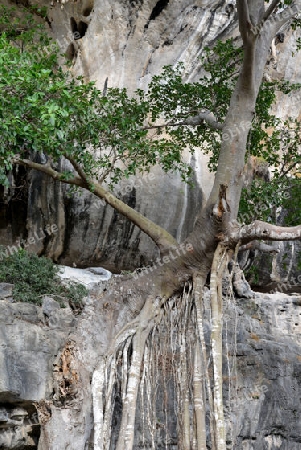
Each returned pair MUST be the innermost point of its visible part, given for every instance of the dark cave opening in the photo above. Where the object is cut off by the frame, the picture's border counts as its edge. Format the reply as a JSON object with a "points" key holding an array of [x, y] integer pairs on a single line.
{"points": [[20, 423], [160, 5], [82, 28], [88, 9], [70, 52], [78, 29], [73, 25]]}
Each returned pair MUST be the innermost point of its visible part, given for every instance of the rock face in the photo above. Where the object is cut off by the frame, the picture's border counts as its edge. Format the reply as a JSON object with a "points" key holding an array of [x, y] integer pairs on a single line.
{"points": [[266, 387], [48, 357], [31, 337]]}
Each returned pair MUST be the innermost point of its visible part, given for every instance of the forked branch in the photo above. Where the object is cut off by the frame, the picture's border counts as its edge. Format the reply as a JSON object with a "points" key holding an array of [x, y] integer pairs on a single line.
{"points": [[78, 169], [159, 235], [263, 230], [203, 117]]}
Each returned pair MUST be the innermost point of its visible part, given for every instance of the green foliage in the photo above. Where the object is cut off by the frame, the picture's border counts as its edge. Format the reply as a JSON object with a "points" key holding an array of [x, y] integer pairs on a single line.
{"points": [[33, 277], [43, 109], [264, 200], [175, 101]]}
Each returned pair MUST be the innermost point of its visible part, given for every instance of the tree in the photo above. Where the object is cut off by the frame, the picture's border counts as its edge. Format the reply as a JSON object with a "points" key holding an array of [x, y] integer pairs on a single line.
{"points": [[106, 136]]}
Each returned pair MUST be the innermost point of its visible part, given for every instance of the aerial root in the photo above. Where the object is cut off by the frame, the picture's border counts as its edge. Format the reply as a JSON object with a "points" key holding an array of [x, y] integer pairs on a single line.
{"points": [[164, 371]]}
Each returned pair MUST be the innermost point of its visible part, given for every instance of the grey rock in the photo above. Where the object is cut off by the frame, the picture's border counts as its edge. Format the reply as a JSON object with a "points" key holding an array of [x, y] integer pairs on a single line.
{"points": [[6, 290], [49, 306], [27, 349], [90, 277], [18, 430], [62, 319], [3, 415], [262, 334], [297, 301], [103, 273]]}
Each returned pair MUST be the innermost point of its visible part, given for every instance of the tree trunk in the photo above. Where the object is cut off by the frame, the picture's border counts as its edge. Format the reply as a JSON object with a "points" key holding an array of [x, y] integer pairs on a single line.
{"points": [[128, 310]]}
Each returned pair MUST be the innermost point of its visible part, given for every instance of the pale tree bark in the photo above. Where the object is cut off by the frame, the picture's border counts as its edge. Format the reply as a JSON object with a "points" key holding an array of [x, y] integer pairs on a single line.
{"points": [[198, 284], [265, 231], [133, 315], [199, 400], [218, 267], [146, 324]]}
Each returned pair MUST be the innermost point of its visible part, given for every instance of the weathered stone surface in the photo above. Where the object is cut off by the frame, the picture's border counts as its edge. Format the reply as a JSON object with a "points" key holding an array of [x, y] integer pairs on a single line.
{"points": [[89, 277], [27, 350], [123, 43], [262, 383], [49, 306], [19, 428], [6, 290], [265, 387], [46, 370], [32, 342]]}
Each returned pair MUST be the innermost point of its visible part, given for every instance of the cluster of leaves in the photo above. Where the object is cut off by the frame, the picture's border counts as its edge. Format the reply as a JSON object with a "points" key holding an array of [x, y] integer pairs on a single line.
{"points": [[275, 142], [174, 101], [33, 277], [278, 200], [44, 109]]}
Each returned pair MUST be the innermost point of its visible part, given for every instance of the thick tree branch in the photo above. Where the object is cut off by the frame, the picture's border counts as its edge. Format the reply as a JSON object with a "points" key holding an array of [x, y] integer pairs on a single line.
{"points": [[48, 170], [203, 117], [161, 237], [265, 231], [261, 246], [270, 10]]}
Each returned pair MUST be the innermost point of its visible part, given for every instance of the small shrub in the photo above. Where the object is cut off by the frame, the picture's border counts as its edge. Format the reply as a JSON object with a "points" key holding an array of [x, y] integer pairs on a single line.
{"points": [[34, 276]]}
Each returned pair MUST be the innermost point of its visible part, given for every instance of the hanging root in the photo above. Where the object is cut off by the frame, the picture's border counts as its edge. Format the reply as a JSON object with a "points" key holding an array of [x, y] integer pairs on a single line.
{"points": [[116, 381], [198, 285], [160, 368], [199, 400], [217, 270]]}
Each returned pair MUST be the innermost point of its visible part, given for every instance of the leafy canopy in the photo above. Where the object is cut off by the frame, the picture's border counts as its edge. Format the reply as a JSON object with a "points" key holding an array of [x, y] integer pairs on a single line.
{"points": [[44, 109]]}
